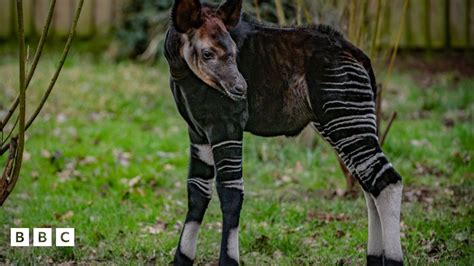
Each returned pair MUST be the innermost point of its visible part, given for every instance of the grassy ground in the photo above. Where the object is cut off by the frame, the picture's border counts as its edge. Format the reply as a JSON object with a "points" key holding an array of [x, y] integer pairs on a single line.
{"points": [[108, 156]]}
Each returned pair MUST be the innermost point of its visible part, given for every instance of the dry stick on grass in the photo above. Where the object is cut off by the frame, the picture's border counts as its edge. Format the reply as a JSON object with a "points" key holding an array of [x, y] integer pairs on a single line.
{"points": [[385, 133], [8, 181]]}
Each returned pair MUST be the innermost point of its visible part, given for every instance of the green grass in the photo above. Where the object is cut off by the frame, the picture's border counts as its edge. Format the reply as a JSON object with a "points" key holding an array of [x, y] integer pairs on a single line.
{"points": [[106, 124]]}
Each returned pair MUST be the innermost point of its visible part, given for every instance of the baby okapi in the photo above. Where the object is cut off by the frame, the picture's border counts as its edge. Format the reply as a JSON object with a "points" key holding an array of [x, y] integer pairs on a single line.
{"points": [[230, 74]]}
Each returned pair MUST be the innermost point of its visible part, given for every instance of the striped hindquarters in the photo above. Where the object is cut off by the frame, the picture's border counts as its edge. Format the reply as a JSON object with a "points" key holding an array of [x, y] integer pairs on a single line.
{"points": [[347, 119]]}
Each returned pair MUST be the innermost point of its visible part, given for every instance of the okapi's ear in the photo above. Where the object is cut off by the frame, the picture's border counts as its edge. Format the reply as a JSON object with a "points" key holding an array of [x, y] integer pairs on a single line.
{"points": [[186, 14], [230, 13]]}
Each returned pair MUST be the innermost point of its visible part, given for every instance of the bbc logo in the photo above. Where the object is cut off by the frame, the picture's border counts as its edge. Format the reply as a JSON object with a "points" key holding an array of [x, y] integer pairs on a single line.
{"points": [[42, 237]]}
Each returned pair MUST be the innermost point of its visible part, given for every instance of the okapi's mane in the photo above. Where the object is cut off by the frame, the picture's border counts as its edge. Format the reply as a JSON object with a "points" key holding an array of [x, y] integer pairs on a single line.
{"points": [[320, 28]]}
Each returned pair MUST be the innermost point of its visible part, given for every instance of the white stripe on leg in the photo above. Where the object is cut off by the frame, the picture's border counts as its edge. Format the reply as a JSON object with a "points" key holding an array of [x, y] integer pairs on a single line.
{"points": [[375, 243], [388, 205], [233, 244], [189, 239], [204, 153]]}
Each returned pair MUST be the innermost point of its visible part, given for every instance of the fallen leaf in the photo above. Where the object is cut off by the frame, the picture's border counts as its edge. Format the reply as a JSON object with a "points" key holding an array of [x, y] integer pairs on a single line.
{"points": [[327, 217], [298, 167], [340, 233], [155, 229], [26, 156], [65, 216], [168, 167], [87, 160], [45, 154], [134, 181], [122, 158]]}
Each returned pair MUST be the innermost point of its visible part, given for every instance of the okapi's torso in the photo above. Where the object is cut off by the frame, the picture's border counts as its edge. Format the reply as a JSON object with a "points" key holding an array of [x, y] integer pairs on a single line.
{"points": [[276, 63]]}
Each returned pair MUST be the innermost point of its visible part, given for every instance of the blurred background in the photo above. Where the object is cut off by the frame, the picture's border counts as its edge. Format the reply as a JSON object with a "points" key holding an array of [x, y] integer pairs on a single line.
{"points": [[108, 154], [139, 26]]}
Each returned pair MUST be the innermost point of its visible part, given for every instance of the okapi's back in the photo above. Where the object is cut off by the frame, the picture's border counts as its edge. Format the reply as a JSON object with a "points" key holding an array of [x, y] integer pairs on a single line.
{"points": [[283, 68]]}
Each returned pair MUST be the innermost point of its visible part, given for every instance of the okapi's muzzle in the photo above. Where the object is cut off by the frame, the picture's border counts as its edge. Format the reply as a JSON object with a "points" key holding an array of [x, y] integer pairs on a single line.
{"points": [[235, 88]]}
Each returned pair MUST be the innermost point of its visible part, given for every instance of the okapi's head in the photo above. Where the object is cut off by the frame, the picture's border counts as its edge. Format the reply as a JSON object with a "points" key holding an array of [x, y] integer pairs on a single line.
{"points": [[207, 46]]}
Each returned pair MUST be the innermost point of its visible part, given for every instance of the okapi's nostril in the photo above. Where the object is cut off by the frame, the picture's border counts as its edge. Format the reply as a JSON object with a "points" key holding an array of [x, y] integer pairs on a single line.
{"points": [[239, 89]]}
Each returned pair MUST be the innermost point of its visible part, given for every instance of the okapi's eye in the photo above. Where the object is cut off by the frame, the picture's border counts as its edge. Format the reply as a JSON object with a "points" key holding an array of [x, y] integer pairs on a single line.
{"points": [[207, 54]]}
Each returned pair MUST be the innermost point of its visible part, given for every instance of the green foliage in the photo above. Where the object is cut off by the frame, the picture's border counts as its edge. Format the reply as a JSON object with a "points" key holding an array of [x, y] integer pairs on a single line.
{"points": [[109, 154], [142, 20]]}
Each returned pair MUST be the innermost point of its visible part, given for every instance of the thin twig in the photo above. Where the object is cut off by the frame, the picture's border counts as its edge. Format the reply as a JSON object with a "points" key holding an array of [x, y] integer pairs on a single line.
{"points": [[22, 125], [257, 10], [352, 11], [389, 125], [349, 177], [280, 12], [397, 43], [5, 140], [360, 30], [21, 128], [299, 12], [60, 65], [36, 58], [377, 29], [7, 172]]}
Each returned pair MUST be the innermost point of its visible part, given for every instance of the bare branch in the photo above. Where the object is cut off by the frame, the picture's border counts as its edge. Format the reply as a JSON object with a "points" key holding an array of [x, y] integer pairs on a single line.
{"points": [[280, 12], [11, 181], [7, 172], [257, 9], [350, 179], [373, 46], [397, 43], [60, 65], [5, 140], [9, 177], [36, 58]]}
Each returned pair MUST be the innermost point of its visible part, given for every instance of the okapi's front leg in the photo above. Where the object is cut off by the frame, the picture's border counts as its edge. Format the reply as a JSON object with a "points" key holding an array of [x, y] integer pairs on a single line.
{"points": [[229, 183], [200, 178]]}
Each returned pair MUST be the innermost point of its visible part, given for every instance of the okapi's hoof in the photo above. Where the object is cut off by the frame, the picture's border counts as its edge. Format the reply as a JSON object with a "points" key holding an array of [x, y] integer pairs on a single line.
{"points": [[374, 260], [181, 260], [390, 262]]}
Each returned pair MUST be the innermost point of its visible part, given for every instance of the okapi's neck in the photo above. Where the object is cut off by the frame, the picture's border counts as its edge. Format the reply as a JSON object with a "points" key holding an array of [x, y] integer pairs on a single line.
{"points": [[178, 67]]}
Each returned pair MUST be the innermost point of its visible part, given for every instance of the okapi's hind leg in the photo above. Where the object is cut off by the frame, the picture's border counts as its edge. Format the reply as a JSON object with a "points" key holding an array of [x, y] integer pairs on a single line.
{"points": [[199, 185], [342, 97], [382, 188]]}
